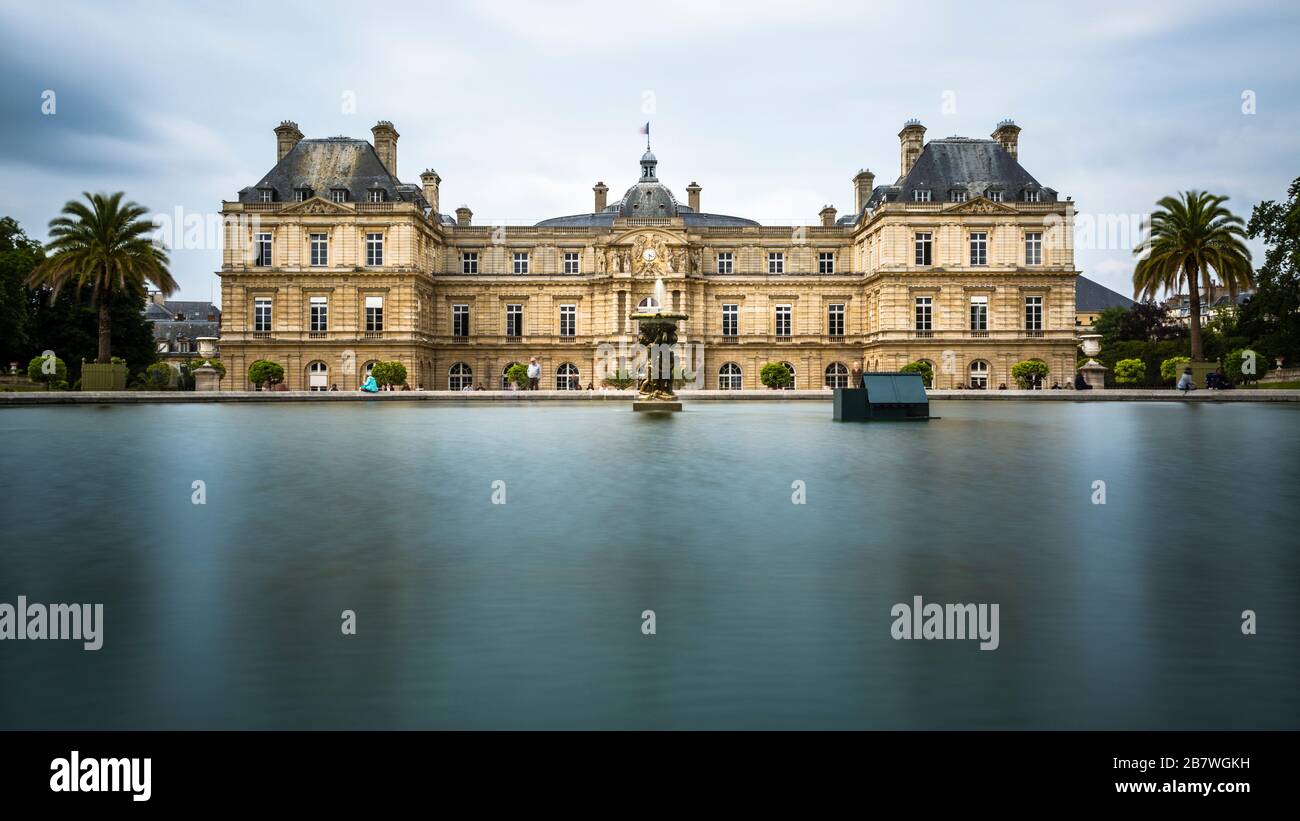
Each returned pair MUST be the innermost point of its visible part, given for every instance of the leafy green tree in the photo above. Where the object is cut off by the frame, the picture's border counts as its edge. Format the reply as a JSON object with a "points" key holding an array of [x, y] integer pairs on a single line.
{"points": [[389, 373], [518, 373], [922, 367], [1172, 368], [1029, 373], [1130, 371], [70, 327], [19, 256], [1143, 321], [104, 246], [265, 372], [776, 376], [48, 369], [1191, 238], [1270, 320]]}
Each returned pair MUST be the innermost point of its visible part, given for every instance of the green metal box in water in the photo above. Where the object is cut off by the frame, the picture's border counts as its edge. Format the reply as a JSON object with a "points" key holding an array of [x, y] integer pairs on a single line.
{"points": [[883, 396]]}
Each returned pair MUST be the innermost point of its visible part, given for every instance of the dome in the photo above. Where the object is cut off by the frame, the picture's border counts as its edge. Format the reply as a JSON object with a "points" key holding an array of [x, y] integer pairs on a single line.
{"points": [[648, 156], [648, 199]]}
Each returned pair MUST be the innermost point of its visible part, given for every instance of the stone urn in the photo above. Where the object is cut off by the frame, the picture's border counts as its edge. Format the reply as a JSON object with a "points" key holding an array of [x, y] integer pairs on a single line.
{"points": [[1091, 344]]}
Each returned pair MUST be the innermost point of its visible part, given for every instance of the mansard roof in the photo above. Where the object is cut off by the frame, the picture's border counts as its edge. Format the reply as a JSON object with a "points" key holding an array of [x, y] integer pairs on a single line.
{"points": [[323, 165], [970, 165]]}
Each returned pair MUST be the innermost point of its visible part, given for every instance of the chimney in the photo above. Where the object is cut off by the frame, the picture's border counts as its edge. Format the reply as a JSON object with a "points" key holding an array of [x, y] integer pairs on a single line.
{"points": [[386, 144], [287, 136], [464, 216], [157, 298], [693, 196], [910, 142], [430, 180], [863, 184], [828, 216], [601, 190], [1008, 136]]}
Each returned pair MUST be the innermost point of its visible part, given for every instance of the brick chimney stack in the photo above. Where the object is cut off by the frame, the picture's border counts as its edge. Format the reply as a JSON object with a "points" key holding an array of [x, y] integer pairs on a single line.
{"points": [[910, 142], [693, 196], [464, 216], [601, 190], [863, 184], [828, 216], [287, 136], [386, 144], [430, 180], [1008, 136]]}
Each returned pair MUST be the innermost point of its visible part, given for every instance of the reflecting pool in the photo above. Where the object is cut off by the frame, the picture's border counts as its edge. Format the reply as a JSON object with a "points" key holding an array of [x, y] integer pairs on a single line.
{"points": [[768, 614]]}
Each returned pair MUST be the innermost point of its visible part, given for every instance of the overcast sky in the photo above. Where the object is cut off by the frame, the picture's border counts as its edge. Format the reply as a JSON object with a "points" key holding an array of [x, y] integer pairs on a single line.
{"points": [[771, 107]]}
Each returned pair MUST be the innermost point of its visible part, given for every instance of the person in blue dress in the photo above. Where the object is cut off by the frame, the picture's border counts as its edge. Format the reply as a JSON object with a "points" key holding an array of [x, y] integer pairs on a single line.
{"points": [[370, 385]]}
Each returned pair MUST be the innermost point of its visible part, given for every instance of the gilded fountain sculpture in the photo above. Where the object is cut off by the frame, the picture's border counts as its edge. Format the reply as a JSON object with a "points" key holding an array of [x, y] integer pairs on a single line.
{"points": [[657, 332]]}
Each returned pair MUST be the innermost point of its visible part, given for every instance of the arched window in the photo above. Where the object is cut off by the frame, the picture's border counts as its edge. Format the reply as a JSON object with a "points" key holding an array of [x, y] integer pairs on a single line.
{"points": [[837, 376], [460, 377], [729, 377], [566, 378], [979, 375], [505, 376], [318, 376], [789, 368], [649, 303]]}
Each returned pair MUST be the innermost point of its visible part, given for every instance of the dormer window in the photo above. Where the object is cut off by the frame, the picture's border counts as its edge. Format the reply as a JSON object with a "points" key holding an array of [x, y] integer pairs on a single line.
{"points": [[377, 195], [1031, 195], [339, 194], [301, 194], [264, 194], [995, 196], [920, 196], [959, 196]]}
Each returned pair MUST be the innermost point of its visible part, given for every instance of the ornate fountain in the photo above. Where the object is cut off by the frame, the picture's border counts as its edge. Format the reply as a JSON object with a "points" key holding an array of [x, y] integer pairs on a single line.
{"points": [[658, 333]]}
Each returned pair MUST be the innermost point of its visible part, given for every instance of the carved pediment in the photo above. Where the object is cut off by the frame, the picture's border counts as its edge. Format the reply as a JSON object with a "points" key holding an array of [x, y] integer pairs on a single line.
{"points": [[317, 205], [979, 205]]}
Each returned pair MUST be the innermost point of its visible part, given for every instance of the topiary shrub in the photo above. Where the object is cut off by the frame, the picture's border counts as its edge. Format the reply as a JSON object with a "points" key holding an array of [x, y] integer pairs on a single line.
{"points": [[1029, 373], [1172, 368], [776, 376], [518, 373], [48, 370], [265, 372], [156, 377], [922, 367], [1244, 365], [1130, 371], [389, 373]]}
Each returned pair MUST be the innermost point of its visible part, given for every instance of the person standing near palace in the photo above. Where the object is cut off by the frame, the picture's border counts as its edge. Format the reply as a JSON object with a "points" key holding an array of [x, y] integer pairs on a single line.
{"points": [[534, 373]]}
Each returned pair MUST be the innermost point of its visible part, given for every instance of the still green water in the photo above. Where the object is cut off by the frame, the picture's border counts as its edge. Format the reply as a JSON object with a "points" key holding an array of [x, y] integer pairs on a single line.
{"points": [[768, 614]]}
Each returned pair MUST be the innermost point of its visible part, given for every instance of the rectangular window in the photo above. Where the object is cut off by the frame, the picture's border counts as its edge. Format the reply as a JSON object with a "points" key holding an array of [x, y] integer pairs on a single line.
{"points": [[460, 320], [262, 249], [826, 262], [924, 313], [374, 250], [920, 196], [1031, 196], [320, 314], [377, 196], [730, 320], [1033, 313], [725, 263], [339, 195], [979, 313], [775, 262], [521, 262], [374, 313], [924, 248], [835, 319], [568, 320], [570, 262], [262, 314], [979, 248], [1034, 248], [783, 320], [299, 195], [514, 320], [996, 196], [320, 249], [264, 195], [959, 196], [469, 262]]}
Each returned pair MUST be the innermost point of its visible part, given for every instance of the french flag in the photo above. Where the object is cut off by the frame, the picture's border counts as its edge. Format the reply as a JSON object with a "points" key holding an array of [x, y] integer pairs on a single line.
{"points": [[645, 129]]}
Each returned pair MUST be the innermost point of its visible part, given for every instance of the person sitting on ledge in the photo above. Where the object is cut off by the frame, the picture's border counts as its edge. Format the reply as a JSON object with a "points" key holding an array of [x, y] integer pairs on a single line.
{"points": [[370, 385], [334, 386], [1185, 382], [591, 386], [1081, 384], [1056, 386], [1002, 386]]}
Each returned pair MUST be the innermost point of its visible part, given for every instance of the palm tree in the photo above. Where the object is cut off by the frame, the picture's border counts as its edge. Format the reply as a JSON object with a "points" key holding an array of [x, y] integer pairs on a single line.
{"points": [[104, 245], [1190, 237]]}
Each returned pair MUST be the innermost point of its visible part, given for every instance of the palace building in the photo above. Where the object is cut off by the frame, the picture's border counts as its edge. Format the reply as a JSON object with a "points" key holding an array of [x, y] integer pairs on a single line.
{"points": [[331, 262]]}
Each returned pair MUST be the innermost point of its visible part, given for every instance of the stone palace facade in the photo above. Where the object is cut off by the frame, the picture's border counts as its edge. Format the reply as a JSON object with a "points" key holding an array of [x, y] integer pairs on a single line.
{"points": [[331, 263]]}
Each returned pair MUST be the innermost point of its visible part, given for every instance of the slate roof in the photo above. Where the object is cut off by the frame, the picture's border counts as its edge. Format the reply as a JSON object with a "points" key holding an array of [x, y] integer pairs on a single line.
{"points": [[193, 324], [1093, 297], [322, 165]]}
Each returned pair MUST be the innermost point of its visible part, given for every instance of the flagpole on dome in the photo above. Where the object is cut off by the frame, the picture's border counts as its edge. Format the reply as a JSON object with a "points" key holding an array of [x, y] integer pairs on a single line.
{"points": [[645, 129]]}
